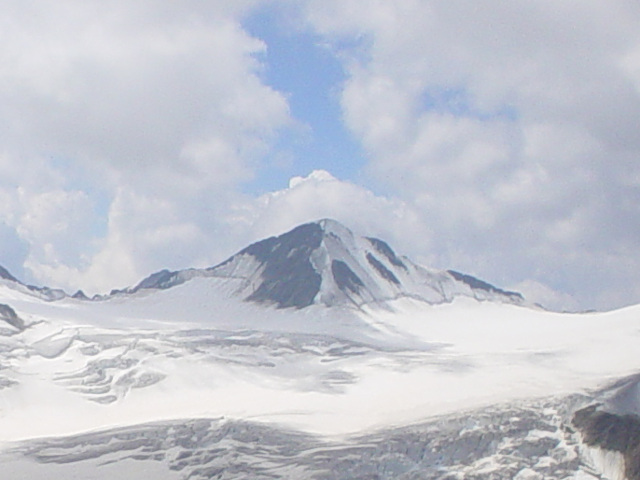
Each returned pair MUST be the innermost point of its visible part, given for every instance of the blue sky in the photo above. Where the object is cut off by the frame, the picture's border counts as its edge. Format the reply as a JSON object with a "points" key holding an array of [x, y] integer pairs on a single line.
{"points": [[299, 64], [503, 143]]}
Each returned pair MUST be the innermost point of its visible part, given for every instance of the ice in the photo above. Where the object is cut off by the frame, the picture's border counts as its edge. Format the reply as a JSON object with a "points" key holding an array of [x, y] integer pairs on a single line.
{"points": [[330, 371], [195, 351], [491, 443], [609, 463]]}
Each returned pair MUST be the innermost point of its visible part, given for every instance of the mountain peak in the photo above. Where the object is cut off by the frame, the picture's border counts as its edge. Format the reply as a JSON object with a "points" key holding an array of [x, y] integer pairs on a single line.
{"points": [[330, 226], [323, 262]]}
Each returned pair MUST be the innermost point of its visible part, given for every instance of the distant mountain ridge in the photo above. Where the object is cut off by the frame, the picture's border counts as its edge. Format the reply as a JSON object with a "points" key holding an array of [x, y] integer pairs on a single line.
{"points": [[323, 262], [45, 293]]}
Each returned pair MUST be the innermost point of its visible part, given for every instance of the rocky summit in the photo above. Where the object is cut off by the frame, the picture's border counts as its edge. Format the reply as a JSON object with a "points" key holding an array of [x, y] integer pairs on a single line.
{"points": [[326, 263]]}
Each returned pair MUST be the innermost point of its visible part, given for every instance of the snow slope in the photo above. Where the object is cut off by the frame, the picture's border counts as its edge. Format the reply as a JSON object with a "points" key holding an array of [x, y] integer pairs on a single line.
{"points": [[194, 351]]}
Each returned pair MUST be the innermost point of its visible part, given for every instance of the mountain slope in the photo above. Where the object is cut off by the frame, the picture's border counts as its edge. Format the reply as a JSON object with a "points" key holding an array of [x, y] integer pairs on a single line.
{"points": [[45, 293], [4, 273], [325, 263]]}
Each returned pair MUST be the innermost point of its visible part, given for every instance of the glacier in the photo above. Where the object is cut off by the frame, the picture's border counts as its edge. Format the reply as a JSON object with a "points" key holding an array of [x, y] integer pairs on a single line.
{"points": [[378, 368]]}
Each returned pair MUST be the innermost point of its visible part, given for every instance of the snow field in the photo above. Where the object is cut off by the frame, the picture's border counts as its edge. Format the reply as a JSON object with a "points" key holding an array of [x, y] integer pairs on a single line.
{"points": [[193, 351]]}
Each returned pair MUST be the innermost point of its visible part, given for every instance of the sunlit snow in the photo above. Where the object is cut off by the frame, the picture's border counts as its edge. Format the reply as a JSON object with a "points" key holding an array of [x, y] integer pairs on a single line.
{"points": [[195, 352]]}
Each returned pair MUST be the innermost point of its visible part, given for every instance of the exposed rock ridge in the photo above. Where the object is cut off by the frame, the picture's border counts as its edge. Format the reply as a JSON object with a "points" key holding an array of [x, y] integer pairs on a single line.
{"points": [[4, 273], [323, 262], [476, 283], [612, 432], [9, 315], [45, 293]]}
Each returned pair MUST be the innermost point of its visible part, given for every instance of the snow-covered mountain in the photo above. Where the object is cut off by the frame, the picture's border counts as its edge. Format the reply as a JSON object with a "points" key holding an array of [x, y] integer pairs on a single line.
{"points": [[261, 368], [45, 293], [325, 263]]}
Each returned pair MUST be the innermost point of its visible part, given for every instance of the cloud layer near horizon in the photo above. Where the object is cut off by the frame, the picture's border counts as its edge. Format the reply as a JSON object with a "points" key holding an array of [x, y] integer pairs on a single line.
{"points": [[500, 139], [127, 129], [511, 127]]}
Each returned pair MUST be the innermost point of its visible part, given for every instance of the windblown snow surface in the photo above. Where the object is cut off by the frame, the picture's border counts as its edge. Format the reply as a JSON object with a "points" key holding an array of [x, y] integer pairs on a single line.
{"points": [[191, 383]]}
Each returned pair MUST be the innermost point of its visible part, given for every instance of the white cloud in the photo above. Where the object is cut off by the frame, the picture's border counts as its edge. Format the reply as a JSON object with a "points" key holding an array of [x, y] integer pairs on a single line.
{"points": [[512, 128], [146, 233], [503, 134], [547, 297], [56, 223], [126, 127], [320, 195], [113, 86]]}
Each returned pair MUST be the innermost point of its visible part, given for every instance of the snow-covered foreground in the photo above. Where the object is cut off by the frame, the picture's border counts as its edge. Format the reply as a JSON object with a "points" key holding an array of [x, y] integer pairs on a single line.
{"points": [[522, 442], [191, 352], [194, 352]]}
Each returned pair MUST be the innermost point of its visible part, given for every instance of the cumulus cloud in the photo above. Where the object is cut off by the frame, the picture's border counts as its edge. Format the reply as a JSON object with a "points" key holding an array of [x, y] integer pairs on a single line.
{"points": [[502, 135], [320, 195], [135, 89], [511, 127], [119, 121], [145, 234]]}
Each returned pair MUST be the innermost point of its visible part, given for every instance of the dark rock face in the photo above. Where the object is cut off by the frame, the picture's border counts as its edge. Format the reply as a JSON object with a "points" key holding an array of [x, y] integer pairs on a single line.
{"points": [[161, 279], [46, 292], [478, 284], [303, 239], [289, 279], [619, 433], [345, 278], [4, 273], [488, 444], [10, 316], [386, 250], [382, 270], [80, 295], [50, 294]]}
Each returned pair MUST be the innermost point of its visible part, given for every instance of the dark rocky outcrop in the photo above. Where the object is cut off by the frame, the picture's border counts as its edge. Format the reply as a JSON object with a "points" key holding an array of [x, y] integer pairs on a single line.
{"points": [[609, 431], [4, 273], [386, 250], [162, 279], [303, 240], [288, 278], [9, 315], [478, 284], [344, 277], [80, 295], [382, 270], [323, 262], [44, 292]]}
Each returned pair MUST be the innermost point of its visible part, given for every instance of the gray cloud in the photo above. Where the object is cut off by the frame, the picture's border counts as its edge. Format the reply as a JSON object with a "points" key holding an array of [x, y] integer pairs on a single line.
{"points": [[503, 134], [120, 120], [117, 87], [511, 127]]}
